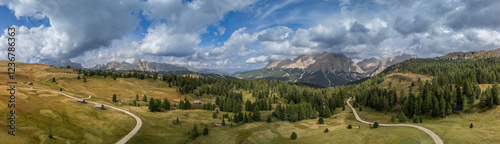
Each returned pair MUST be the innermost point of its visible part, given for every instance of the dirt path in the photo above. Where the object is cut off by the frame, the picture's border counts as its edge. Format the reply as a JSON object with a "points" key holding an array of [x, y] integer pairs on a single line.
{"points": [[126, 137], [434, 136]]}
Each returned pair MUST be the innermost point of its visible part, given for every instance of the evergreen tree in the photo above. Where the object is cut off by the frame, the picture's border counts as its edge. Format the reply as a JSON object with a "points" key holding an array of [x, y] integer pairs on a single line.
{"points": [[84, 79], [326, 130], [293, 136], [193, 134], [181, 105], [495, 93], [205, 131], [137, 97], [166, 104], [177, 120], [393, 119], [360, 109], [214, 116], [78, 77], [402, 117], [187, 105], [471, 125], [375, 125], [151, 105], [256, 114], [223, 122], [53, 79], [145, 98], [349, 126], [135, 103], [269, 119], [343, 108], [114, 98], [321, 121]]}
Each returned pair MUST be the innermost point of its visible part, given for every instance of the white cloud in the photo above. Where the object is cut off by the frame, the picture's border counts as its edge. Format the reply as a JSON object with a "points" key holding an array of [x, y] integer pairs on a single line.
{"points": [[163, 41], [258, 59]]}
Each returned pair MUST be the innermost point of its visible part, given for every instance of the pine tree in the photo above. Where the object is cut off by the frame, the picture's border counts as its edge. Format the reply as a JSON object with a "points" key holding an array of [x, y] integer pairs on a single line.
{"points": [[471, 125], [166, 104], [269, 119], [145, 98], [495, 93], [194, 132], [181, 104], [53, 79], [393, 119], [349, 126], [114, 98], [78, 77], [177, 120], [375, 125], [256, 113], [151, 104], [223, 122], [205, 131], [402, 117], [326, 130], [84, 79], [360, 109], [321, 121], [293, 136], [343, 108], [137, 97], [214, 116]]}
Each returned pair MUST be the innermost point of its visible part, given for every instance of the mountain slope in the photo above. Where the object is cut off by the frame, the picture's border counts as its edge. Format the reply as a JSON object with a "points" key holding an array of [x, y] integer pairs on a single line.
{"points": [[374, 66], [325, 69], [139, 66]]}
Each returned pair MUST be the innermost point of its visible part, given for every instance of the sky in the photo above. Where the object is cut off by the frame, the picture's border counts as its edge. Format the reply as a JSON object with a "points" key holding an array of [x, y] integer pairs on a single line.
{"points": [[243, 34]]}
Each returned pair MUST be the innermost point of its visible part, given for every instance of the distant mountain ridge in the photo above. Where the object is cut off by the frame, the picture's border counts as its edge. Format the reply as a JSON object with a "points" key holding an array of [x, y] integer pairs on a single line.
{"points": [[325, 69], [471, 55], [139, 66], [375, 66]]}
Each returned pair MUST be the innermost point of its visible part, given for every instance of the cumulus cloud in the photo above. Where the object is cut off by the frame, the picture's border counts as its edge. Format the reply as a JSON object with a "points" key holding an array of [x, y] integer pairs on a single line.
{"points": [[99, 31], [75, 27], [163, 41], [258, 59]]}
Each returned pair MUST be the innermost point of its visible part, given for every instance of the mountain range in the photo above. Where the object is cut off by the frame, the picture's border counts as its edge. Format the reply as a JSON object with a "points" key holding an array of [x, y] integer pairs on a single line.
{"points": [[324, 69]]}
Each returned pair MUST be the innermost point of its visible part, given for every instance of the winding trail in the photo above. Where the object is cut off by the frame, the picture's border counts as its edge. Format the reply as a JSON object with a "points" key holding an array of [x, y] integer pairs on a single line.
{"points": [[126, 137], [434, 136]]}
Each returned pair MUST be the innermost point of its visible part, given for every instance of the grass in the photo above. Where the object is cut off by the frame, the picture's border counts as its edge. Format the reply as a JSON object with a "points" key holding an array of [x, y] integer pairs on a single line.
{"points": [[37, 112], [78, 123], [454, 128]]}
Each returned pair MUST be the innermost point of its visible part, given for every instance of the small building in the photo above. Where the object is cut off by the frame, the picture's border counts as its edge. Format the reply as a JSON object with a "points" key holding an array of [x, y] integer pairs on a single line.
{"points": [[197, 102], [99, 106], [30, 83], [80, 101], [216, 109]]}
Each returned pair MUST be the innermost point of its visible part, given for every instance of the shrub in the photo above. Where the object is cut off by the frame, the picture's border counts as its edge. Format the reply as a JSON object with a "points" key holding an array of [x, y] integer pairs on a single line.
{"points": [[293, 136]]}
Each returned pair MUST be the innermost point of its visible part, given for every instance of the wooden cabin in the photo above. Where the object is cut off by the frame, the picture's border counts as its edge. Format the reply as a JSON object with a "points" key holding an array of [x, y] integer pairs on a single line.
{"points": [[99, 106], [80, 101], [197, 102]]}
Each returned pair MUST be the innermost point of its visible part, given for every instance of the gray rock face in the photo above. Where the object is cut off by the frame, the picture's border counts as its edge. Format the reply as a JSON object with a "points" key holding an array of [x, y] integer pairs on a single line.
{"points": [[325, 62], [140, 66], [66, 63], [374, 66]]}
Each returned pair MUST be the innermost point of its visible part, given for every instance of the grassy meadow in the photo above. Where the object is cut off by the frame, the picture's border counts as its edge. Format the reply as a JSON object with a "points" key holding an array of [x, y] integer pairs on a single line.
{"points": [[74, 123]]}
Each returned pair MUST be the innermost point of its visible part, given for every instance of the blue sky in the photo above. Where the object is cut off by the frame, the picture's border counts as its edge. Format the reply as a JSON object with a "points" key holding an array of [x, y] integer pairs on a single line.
{"points": [[245, 34]]}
